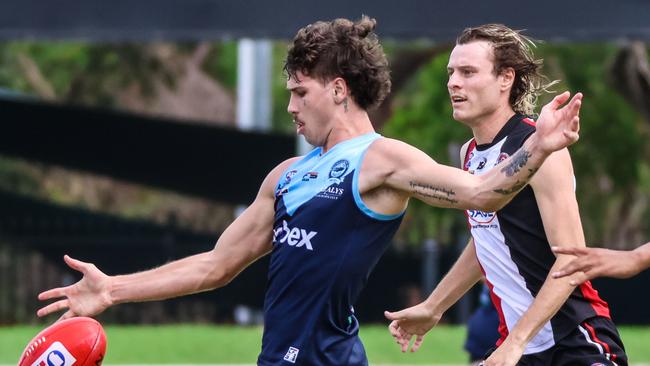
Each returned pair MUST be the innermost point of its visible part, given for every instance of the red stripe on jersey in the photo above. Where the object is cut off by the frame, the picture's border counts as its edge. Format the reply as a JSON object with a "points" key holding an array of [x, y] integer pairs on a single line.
{"points": [[528, 121], [594, 337], [471, 147], [496, 300], [599, 305]]}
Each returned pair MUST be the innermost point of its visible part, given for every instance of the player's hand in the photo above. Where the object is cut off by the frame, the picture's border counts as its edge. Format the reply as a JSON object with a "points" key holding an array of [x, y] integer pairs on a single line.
{"points": [[505, 355], [558, 127], [90, 296], [414, 321], [597, 262]]}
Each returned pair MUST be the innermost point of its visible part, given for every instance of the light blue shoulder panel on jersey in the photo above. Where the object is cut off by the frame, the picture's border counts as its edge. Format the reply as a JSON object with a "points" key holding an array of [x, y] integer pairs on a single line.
{"points": [[362, 206], [314, 173]]}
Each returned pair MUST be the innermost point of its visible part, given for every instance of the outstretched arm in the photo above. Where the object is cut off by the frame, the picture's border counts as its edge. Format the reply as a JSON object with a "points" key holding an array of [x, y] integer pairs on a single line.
{"points": [[419, 319], [410, 171], [599, 262], [244, 241]]}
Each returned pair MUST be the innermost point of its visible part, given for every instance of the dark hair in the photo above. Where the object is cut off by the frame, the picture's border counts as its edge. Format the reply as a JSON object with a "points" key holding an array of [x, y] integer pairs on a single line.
{"points": [[346, 49], [513, 50]]}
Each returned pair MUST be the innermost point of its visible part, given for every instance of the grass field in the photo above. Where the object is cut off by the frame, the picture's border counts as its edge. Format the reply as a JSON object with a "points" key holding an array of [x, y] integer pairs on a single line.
{"points": [[203, 344]]}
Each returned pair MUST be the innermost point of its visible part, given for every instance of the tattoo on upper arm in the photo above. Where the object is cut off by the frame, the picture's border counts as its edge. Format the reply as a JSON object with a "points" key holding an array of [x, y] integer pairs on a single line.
{"points": [[428, 191], [519, 160]]}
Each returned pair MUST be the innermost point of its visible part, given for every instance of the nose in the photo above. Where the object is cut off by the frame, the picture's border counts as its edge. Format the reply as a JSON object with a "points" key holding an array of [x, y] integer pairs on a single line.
{"points": [[291, 107], [453, 82]]}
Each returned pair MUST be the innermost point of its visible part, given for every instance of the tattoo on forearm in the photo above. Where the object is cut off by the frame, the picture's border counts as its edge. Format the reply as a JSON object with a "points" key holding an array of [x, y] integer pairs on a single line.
{"points": [[438, 193], [506, 191], [519, 160], [518, 185]]}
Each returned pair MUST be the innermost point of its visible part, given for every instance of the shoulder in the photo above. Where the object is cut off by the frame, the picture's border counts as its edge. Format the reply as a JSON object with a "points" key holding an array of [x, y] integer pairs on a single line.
{"points": [[524, 128], [388, 149], [517, 136], [273, 177]]}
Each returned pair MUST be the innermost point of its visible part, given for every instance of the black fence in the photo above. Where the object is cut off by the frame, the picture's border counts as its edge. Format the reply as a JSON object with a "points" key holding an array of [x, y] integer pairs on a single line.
{"points": [[34, 236]]}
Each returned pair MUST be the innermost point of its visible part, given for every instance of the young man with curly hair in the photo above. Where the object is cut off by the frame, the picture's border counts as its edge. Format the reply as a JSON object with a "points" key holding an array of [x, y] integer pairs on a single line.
{"points": [[494, 80], [325, 217]]}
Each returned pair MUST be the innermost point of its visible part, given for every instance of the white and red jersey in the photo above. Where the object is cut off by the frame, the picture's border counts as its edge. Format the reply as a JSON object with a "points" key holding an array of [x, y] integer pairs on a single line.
{"points": [[513, 250]]}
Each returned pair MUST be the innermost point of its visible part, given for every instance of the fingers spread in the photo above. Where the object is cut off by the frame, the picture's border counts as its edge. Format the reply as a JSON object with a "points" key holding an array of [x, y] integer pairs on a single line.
{"points": [[560, 99], [393, 329], [417, 343], [569, 269], [393, 316], [75, 264], [564, 250], [53, 293], [67, 315], [53, 307], [580, 278]]}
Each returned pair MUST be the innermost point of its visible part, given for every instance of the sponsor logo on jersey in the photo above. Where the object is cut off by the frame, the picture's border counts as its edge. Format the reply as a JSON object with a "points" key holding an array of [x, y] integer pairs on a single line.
{"points": [[338, 170], [503, 156], [287, 179], [291, 354], [481, 163], [55, 355], [295, 237], [469, 160], [480, 217], [331, 192], [309, 175]]}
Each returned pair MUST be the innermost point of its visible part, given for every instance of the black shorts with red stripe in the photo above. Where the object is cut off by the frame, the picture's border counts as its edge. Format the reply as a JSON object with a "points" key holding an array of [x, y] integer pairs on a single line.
{"points": [[595, 342]]}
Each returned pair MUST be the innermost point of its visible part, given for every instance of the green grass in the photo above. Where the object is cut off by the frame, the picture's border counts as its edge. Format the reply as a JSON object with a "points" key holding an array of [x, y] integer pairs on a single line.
{"points": [[226, 344]]}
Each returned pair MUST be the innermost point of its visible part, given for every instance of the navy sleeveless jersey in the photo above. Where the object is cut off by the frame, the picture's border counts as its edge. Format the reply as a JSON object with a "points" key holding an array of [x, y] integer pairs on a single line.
{"points": [[325, 244]]}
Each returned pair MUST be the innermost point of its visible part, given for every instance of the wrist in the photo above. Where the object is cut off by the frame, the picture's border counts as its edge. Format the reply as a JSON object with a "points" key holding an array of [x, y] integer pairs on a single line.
{"points": [[641, 259], [535, 148], [113, 291], [515, 342], [434, 308]]}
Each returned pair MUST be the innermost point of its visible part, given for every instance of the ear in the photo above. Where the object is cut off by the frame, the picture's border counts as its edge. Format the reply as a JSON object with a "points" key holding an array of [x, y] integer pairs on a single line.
{"points": [[507, 78], [339, 90]]}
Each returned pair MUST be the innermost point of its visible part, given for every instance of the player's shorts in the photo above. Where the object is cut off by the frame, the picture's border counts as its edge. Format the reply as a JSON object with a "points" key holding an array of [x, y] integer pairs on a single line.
{"points": [[595, 342]]}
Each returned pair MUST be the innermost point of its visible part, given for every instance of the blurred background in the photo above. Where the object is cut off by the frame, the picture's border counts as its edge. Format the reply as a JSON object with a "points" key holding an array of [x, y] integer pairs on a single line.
{"points": [[133, 133]]}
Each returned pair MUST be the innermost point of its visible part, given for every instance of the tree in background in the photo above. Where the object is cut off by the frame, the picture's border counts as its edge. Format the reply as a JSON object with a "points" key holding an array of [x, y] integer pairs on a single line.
{"points": [[198, 81], [188, 82], [612, 163]]}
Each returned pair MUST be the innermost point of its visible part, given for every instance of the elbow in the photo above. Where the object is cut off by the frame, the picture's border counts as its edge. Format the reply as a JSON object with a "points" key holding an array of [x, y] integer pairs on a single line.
{"points": [[485, 204], [220, 277]]}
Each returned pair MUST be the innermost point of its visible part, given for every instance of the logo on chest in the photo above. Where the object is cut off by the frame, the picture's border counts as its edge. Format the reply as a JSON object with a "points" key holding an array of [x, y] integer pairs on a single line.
{"points": [[331, 192], [295, 237], [338, 170], [482, 220], [282, 187]]}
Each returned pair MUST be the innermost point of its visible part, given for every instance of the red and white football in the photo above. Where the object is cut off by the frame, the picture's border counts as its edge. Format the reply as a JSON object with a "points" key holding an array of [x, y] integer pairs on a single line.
{"points": [[75, 341]]}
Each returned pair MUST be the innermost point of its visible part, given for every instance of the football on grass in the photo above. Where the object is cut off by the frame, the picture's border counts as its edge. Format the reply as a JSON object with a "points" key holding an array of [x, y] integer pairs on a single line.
{"points": [[75, 341]]}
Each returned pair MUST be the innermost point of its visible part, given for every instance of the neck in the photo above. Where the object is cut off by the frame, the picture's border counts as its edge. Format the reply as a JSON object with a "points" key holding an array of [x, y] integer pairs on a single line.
{"points": [[486, 128], [348, 126]]}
